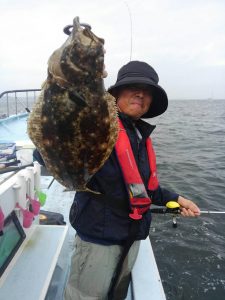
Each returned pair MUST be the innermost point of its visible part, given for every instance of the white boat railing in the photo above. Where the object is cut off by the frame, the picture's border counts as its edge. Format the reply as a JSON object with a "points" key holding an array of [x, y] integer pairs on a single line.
{"points": [[146, 281], [15, 102]]}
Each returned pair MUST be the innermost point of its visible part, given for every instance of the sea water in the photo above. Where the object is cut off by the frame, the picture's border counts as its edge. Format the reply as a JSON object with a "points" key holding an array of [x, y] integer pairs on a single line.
{"points": [[190, 144]]}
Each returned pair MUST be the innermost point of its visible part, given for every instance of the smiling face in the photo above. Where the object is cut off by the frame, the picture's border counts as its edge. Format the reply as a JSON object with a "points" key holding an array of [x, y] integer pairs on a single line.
{"points": [[134, 100]]}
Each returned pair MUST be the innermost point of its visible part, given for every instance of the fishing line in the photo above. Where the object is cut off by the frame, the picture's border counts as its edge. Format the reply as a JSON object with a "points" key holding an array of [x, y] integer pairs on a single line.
{"points": [[131, 29]]}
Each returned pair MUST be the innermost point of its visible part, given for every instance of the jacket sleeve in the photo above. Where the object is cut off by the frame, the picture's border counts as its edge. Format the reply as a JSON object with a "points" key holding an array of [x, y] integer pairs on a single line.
{"points": [[161, 196]]}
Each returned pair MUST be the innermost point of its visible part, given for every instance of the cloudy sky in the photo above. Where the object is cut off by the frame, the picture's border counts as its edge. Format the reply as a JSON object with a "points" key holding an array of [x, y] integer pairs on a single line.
{"points": [[184, 40]]}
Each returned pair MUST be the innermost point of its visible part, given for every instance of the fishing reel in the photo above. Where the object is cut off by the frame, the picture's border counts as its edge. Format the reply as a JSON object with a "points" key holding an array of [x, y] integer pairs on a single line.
{"points": [[172, 207]]}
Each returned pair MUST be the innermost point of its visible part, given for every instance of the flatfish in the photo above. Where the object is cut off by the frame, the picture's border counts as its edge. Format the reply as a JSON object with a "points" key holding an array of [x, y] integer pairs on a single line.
{"points": [[74, 121]]}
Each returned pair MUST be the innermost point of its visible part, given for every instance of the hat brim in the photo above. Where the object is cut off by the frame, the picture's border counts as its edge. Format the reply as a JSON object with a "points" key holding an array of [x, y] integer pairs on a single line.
{"points": [[160, 100]]}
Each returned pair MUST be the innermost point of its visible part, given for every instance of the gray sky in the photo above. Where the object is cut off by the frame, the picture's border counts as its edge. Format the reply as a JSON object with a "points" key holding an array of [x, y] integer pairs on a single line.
{"points": [[184, 40]]}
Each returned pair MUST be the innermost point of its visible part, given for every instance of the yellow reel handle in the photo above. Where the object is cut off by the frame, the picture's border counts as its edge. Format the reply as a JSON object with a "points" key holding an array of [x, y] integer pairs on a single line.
{"points": [[172, 205]]}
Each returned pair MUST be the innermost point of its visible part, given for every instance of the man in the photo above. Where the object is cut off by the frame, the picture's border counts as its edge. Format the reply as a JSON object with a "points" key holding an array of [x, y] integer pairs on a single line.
{"points": [[110, 224]]}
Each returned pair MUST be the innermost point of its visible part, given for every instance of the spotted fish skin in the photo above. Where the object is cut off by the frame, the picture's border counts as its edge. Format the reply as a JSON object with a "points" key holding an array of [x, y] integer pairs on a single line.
{"points": [[74, 122]]}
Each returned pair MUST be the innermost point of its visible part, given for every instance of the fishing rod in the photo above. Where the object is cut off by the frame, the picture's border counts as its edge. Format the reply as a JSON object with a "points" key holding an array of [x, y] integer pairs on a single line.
{"points": [[131, 29], [211, 212], [24, 106], [173, 207], [14, 169]]}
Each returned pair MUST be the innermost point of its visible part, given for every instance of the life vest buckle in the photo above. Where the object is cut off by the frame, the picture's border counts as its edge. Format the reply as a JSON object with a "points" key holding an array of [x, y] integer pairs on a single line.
{"points": [[135, 215]]}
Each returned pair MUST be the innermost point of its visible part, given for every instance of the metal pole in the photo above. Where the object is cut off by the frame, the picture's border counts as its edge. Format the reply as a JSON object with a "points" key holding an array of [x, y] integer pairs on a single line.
{"points": [[7, 99], [27, 99], [16, 101]]}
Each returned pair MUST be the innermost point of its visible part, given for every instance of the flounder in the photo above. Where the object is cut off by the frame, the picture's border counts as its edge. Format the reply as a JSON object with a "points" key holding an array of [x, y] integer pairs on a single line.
{"points": [[74, 122]]}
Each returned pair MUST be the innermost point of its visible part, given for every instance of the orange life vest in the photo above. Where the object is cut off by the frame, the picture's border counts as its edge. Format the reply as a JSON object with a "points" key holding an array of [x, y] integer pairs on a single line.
{"points": [[139, 199]]}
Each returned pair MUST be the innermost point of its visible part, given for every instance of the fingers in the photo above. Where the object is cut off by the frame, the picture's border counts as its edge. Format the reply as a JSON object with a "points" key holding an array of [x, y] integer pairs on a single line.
{"points": [[188, 208], [190, 212], [186, 212]]}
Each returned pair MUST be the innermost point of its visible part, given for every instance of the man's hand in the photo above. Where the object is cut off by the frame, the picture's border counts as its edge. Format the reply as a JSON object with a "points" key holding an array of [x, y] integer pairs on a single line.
{"points": [[188, 208]]}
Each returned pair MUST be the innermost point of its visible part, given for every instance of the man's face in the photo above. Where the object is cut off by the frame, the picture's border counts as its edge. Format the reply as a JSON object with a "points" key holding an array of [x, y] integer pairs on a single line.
{"points": [[134, 100]]}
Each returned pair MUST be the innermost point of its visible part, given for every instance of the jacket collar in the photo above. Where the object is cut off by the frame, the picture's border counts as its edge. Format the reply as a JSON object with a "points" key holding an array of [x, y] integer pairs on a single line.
{"points": [[144, 127]]}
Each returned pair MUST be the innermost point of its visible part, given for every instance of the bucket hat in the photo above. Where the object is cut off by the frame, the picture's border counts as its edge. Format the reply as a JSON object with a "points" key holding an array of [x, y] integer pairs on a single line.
{"points": [[140, 72]]}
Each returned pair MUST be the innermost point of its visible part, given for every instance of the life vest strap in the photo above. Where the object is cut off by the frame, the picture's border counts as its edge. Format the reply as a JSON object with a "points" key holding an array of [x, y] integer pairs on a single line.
{"points": [[139, 200]]}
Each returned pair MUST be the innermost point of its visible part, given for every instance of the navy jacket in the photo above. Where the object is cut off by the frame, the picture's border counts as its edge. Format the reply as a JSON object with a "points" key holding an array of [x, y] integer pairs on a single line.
{"points": [[97, 218]]}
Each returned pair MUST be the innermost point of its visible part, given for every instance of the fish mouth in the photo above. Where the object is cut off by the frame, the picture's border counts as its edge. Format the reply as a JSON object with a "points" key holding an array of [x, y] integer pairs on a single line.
{"points": [[69, 28]]}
